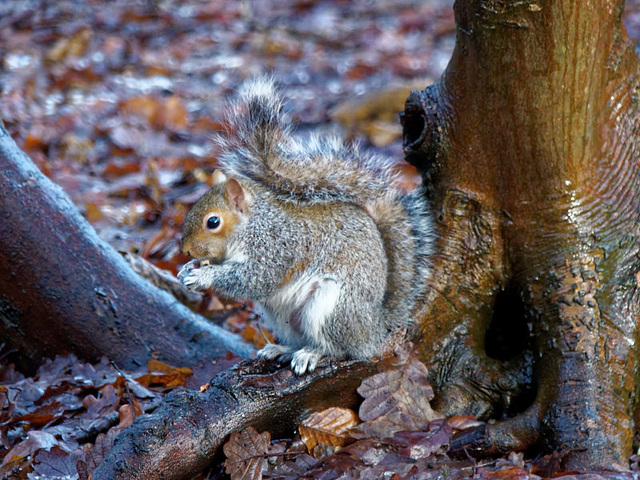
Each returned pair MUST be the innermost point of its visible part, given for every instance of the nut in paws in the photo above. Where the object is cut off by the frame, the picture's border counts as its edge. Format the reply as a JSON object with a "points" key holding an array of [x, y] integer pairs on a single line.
{"points": [[190, 276]]}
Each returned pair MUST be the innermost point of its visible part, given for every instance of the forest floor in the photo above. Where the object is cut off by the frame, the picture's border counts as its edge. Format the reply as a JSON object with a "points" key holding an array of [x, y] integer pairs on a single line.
{"points": [[119, 103]]}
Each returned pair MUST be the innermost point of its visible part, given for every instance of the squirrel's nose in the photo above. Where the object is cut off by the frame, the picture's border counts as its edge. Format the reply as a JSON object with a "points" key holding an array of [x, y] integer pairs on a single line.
{"points": [[183, 251]]}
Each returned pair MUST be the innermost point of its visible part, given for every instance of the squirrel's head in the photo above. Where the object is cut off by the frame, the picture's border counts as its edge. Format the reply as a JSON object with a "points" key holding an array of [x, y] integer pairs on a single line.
{"points": [[213, 219]]}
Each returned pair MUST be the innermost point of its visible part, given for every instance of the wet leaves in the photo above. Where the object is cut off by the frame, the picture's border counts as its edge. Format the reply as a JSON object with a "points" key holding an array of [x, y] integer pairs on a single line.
{"points": [[330, 427], [397, 398], [246, 454], [118, 102], [336, 442], [64, 419]]}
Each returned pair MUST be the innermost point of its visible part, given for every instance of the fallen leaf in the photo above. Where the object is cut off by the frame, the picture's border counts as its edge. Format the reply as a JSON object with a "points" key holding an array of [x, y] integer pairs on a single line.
{"points": [[329, 427], [128, 413], [36, 440], [41, 415], [417, 445], [294, 469], [246, 454], [73, 46], [376, 114], [514, 473], [93, 213], [396, 399], [462, 422], [55, 463], [162, 374], [93, 454]]}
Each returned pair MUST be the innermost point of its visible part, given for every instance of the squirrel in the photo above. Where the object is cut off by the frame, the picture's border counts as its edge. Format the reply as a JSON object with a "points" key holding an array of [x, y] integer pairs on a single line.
{"points": [[312, 231]]}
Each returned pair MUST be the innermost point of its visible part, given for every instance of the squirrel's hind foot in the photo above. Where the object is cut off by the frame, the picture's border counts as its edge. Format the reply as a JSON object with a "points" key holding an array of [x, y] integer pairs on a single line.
{"points": [[305, 360], [271, 351]]}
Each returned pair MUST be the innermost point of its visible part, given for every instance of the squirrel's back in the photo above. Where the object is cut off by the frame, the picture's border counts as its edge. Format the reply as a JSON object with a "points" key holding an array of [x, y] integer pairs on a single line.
{"points": [[315, 170]]}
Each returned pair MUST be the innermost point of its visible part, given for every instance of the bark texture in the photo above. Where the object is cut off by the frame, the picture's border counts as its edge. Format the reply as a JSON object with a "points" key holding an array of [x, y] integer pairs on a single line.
{"points": [[529, 143], [63, 289], [183, 436], [529, 147]]}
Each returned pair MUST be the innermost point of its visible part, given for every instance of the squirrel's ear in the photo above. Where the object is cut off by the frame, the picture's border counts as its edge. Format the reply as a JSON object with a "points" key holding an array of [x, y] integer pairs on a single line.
{"points": [[217, 178], [236, 196]]}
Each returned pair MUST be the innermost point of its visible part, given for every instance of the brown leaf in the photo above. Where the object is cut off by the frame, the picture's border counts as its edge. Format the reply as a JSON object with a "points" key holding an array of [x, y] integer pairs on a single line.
{"points": [[294, 469], [329, 427], [162, 374], [94, 454], [36, 440], [376, 113], [55, 463], [74, 46], [107, 402], [169, 113], [128, 413], [143, 106], [257, 336], [41, 415], [513, 473], [396, 399], [424, 444], [246, 454], [93, 212], [460, 422], [173, 115]]}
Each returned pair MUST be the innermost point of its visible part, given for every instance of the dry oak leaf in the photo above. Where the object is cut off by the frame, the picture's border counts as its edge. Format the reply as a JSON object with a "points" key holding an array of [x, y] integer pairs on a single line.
{"points": [[162, 374], [246, 454], [396, 399], [329, 426]]}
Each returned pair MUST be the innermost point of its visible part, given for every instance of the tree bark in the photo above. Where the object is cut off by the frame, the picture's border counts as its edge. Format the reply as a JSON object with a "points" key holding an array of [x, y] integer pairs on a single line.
{"points": [[529, 147], [529, 144], [183, 436], [63, 289]]}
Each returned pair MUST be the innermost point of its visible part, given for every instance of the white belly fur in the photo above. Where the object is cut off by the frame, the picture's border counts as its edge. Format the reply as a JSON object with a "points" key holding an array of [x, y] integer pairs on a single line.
{"points": [[297, 312]]}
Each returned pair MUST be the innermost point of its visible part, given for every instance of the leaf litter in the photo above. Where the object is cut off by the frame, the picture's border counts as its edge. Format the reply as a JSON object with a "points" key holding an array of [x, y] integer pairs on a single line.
{"points": [[118, 102], [397, 437]]}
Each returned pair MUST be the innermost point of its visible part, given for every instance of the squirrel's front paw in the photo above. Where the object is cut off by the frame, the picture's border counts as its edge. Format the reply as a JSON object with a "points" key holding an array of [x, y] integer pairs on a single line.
{"points": [[192, 277], [305, 360]]}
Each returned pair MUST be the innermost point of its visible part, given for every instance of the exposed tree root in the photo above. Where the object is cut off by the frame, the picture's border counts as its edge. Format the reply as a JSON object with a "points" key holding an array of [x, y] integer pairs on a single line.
{"points": [[183, 436], [494, 439], [67, 290]]}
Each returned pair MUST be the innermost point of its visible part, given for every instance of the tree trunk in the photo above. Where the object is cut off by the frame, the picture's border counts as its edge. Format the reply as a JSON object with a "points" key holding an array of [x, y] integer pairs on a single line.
{"points": [[529, 145], [64, 289]]}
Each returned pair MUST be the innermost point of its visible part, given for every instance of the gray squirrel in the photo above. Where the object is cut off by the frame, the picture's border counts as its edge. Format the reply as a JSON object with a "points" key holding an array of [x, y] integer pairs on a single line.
{"points": [[312, 231]]}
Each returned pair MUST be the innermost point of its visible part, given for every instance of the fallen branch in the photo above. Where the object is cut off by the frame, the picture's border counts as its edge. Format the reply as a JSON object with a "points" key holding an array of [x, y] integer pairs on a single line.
{"points": [[182, 437]]}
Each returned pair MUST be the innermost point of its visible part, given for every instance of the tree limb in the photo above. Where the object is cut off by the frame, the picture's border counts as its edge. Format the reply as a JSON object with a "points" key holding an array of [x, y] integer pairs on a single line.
{"points": [[66, 290]]}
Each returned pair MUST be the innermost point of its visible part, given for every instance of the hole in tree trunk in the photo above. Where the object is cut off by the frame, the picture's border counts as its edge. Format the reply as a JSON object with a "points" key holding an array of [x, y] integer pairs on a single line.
{"points": [[414, 123], [508, 334]]}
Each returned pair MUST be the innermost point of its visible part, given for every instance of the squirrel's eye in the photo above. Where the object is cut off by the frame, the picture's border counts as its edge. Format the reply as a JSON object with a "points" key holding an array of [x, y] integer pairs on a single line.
{"points": [[213, 222]]}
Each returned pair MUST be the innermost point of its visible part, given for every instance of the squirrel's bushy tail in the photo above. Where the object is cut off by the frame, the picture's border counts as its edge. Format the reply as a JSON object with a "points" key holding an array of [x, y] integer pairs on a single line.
{"points": [[316, 169], [309, 169], [407, 232]]}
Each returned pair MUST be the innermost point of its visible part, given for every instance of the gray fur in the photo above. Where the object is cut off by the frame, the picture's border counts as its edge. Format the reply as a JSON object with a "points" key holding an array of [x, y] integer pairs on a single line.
{"points": [[331, 252]]}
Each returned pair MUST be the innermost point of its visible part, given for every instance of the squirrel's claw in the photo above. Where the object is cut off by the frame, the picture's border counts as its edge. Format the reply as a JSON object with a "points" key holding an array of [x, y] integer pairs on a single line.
{"points": [[191, 276], [305, 360]]}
